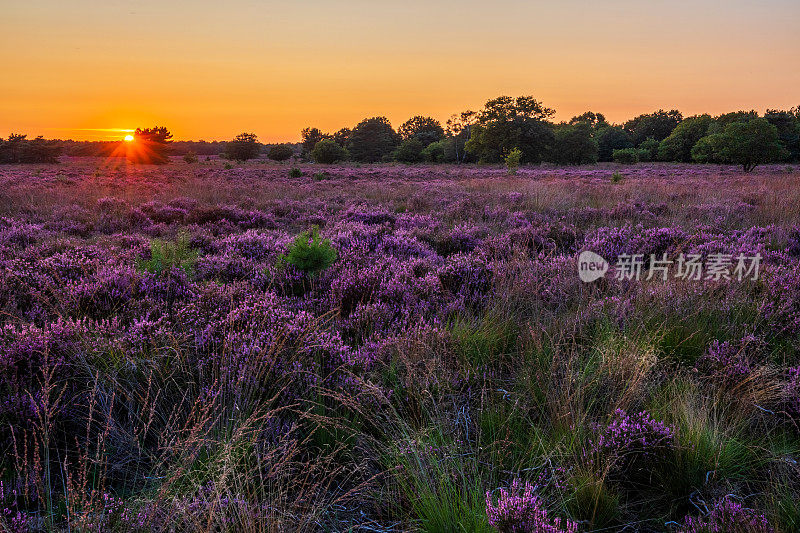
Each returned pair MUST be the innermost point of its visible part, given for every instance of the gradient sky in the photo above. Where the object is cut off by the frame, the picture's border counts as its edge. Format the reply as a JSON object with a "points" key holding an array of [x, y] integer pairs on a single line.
{"points": [[211, 69]]}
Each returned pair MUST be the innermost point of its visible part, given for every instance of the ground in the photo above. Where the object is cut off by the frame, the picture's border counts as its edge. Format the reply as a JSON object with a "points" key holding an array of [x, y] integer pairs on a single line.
{"points": [[176, 352]]}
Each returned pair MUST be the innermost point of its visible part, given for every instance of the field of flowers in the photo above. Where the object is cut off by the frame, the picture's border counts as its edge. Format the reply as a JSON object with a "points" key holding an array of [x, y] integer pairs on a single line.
{"points": [[181, 351]]}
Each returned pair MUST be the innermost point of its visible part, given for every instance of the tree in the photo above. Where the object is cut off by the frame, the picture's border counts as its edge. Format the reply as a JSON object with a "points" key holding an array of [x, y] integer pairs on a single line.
{"points": [[409, 151], [610, 139], [657, 125], [788, 125], [311, 136], [459, 129], [573, 144], [425, 129], [150, 146], [742, 143], [19, 149], [280, 152], [648, 150], [243, 147], [328, 151], [342, 137], [506, 123], [373, 139], [678, 145], [596, 120]]}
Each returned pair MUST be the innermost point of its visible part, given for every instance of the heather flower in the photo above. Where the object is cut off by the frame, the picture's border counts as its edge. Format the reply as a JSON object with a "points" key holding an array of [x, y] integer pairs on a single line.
{"points": [[519, 510], [728, 516]]}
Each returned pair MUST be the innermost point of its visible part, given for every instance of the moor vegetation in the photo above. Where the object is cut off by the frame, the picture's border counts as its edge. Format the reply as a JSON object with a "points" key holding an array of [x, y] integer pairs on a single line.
{"points": [[210, 347]]}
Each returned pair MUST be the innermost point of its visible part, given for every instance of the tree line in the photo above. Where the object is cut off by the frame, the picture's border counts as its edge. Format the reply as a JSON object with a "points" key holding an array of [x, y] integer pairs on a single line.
{"points": [[519, 127]]}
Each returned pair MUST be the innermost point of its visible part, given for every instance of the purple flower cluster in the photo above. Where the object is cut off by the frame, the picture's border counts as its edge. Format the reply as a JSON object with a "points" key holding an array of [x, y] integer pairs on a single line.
{"points": [[519, 510], [728, 516]]}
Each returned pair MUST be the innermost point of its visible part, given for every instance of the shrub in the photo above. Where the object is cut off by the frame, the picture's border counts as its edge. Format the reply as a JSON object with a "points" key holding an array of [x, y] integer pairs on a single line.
{"points": [[648, 150], [627, 156], [328, 151], [310, 253], [295, 173], [728, 516], [190, 157], [617, 177], [166, 255], [409, 151], [434, 152], [280, 152], [678, 146], [512, 160], [243, 147]]}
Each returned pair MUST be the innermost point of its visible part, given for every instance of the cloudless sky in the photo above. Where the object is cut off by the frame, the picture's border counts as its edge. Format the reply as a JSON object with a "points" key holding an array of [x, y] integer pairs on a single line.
{"points": [[211, 69]]}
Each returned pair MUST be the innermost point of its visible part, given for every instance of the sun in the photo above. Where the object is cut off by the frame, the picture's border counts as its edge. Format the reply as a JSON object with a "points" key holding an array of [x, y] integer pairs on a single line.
{"points": [[129, 138]]}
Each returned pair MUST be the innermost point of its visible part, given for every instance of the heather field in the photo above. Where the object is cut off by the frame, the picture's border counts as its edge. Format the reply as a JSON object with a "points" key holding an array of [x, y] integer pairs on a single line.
{"points": [[390, 348]]}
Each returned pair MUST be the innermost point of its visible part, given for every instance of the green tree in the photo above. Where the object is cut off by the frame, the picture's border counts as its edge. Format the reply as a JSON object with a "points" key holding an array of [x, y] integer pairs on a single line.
{"points": [[280, 152], [610, 139], [788, 125], [748, 144], [678, 145], [506, 123], [596, 120], [426, 130], [648, 150], [574, 144], [243, 147], [657, 125], [372, 140], [328, 151], [150, 146], [311, 136], [409, 151]]}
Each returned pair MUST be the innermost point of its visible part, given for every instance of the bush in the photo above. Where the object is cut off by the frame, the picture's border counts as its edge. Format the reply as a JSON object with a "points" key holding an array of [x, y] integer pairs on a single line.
{"points": [[648, 150], [409, 151], [18, 149], [310, 253], [166, 255], [190, 157], [434, 152], [295, 173], [280, 152], [678, 146], [328, 151], [243, 147], [627, 156], [512, 160]]}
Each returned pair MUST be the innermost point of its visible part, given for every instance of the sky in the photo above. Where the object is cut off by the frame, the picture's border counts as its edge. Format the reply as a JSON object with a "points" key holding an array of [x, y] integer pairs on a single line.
{"points": [[212, 69]]}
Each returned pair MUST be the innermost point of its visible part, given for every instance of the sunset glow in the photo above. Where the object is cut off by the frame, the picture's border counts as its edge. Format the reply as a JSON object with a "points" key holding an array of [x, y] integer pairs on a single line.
{"points": [[128, 138], [211, 70]]}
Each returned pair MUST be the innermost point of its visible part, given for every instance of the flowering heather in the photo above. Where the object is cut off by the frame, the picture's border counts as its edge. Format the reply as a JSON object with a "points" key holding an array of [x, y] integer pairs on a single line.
{"points": [[728, 516], [519, 510], [161, 358]]}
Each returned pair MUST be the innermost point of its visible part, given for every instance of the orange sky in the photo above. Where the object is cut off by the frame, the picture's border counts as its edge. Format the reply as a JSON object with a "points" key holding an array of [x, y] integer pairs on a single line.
{"points": [[209, 70]]}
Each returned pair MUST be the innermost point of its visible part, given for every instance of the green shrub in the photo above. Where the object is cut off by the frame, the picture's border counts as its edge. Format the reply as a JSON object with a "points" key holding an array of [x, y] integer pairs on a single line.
{"points": [[190, 158], [328, 151], [166, 255], [409, 151], [295, 173], [322, 175], [648, 150], [280, 152], [512, 160], [617, 176], [434, 152], [626, 155], [310, 253]]}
